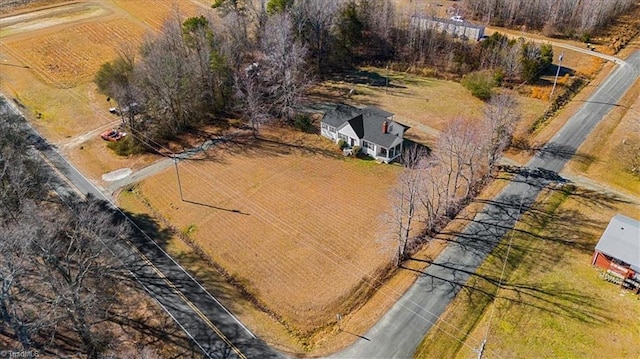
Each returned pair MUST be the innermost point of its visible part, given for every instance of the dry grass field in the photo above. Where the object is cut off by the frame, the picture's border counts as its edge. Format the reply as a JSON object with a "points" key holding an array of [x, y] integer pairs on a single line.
{"points": [[298, 227], [293, 224], [154, 12], [49, 56], [71, 57], [553, 303], [425, 104]]}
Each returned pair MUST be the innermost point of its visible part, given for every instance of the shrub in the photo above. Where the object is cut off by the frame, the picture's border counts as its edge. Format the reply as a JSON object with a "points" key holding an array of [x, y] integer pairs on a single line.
{"points": [[540, 92], [126, 146], [498, 77], [303, 123], [479, 83], [342, 144], [356, 150]]}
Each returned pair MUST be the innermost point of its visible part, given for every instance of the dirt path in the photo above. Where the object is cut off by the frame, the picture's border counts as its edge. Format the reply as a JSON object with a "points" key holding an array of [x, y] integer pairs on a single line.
{"points": [[565, 44], [80, 139]]}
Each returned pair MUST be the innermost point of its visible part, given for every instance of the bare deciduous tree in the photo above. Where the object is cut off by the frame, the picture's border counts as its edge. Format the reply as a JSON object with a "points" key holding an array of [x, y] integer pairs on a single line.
{"points": [[78, 273], [501, 114], [313, 23], [564, 16], [405, 199], [460, 152], [283, 66], [249, 93]]}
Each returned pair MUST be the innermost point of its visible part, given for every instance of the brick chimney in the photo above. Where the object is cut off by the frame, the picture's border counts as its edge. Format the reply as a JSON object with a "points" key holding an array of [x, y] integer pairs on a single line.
{"points": [[385, 127]]}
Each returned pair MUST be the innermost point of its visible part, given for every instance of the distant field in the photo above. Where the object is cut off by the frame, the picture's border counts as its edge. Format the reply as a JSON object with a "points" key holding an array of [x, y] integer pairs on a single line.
{"points": [[153, 13], [50, 56], [298, 228], [70, 57]]}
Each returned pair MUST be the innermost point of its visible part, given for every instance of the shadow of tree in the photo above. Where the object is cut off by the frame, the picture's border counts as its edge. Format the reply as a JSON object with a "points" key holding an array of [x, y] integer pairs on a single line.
{"points": [[562, 152], [542, 233], [267, 147], [370, 78], [211, 326]]}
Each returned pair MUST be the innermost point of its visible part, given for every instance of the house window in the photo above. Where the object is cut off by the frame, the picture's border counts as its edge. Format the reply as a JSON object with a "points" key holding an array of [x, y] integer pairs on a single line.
{"points": [[343, 137], [325, 126], [368, 145], [332, 129]]}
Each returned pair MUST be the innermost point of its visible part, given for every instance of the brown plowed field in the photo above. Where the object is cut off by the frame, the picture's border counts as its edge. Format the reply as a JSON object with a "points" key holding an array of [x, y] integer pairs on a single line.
{"points": [[154, 12], [299, 233], [73, 56]]}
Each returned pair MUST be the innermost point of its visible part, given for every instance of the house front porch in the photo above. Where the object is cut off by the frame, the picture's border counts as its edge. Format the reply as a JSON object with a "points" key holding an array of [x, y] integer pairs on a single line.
{"points": [[385, 155]]}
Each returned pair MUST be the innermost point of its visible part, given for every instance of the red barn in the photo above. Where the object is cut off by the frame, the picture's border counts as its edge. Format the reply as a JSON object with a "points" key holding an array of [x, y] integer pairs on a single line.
{"points": [[618, 252]]}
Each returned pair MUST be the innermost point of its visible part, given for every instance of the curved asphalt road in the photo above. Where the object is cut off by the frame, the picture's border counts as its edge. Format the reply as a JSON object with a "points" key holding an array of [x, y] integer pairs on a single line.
{"points": [[398, 333], [214, 331]]}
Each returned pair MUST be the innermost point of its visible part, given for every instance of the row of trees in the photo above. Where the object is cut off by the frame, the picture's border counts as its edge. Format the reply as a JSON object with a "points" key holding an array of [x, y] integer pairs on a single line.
{"points": [[565, 17], [191, 72], [433, 187], [511, 60], [259, 61], [58, 280], [172, 82]]}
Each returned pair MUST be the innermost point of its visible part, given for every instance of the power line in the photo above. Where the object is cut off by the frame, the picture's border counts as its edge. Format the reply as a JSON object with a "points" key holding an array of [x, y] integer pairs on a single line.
{"points": [[504, 266], [378, 283]]}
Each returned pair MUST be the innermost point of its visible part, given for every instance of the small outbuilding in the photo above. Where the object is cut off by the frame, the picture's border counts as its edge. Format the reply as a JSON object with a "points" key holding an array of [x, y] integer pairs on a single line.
{"points": [[618, 252]]}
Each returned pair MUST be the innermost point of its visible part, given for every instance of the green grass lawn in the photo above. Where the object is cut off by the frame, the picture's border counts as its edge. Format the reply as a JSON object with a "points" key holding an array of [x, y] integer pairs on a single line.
{"points": [[552, 303], [415, 99]]}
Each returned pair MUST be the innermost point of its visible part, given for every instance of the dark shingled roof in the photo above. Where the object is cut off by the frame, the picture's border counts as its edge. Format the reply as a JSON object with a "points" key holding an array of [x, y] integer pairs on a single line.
{"points": [[377, 111], [373, 130], [366, 123], [340, 114]]}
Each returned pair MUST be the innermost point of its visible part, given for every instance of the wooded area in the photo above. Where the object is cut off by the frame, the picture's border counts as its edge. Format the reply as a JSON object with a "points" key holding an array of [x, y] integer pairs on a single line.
{"points": [[61, 286], [260, 61], [574, 18]]}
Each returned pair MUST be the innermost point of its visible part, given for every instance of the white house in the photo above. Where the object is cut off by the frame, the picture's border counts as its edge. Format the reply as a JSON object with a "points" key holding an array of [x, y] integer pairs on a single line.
{"points": [[373, 129]]}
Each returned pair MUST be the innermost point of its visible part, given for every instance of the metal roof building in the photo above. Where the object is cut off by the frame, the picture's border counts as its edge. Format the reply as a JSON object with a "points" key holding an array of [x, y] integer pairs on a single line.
{"points": [[618, 251]]}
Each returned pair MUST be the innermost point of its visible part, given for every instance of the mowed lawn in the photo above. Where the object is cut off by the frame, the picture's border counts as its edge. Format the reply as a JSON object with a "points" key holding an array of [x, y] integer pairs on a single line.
{"points": [[425, 104], [553, 303], [295, 223]]}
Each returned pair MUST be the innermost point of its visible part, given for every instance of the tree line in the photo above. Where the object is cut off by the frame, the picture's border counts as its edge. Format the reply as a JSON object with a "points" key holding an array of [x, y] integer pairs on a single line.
{"points": [[263, 56], [434, 186], [574, 18], [59, 283]]}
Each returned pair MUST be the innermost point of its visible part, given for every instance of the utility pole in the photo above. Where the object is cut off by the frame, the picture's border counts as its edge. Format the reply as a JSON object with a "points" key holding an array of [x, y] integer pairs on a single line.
{"points": [[386, 83], [175, 162], [557, 73]]}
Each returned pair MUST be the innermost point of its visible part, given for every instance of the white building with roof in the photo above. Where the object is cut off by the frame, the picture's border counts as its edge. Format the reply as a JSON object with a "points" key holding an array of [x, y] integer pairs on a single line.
{"points": [[618, 251], [371, 128]]}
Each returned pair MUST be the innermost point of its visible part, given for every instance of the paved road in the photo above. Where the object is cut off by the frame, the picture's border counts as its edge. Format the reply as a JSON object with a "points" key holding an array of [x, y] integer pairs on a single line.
{"points": [[212, 328], [403, 327]]}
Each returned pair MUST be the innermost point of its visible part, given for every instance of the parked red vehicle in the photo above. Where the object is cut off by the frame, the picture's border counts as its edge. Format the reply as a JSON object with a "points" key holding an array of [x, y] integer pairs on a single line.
{"points": [[112, 135]]}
